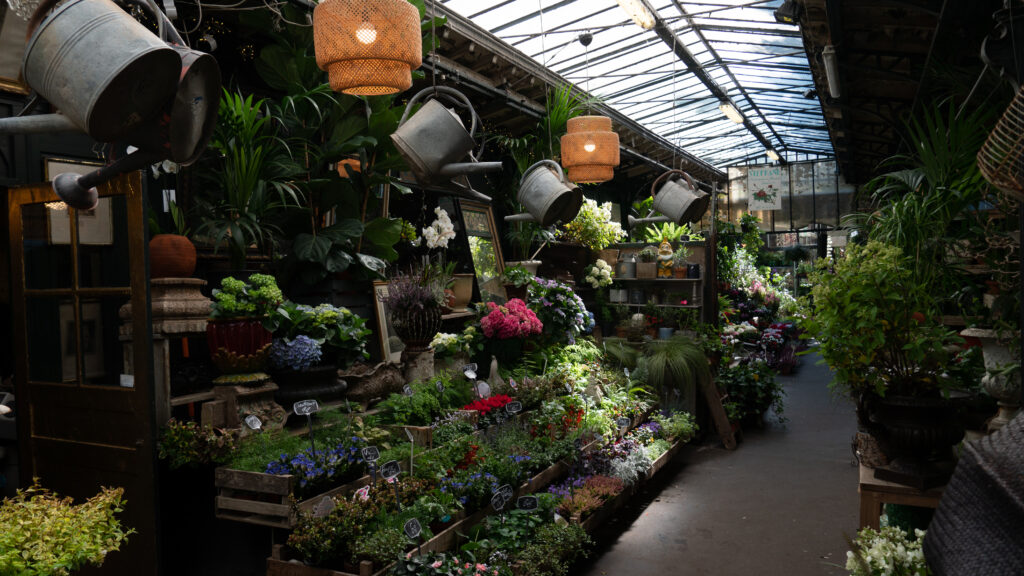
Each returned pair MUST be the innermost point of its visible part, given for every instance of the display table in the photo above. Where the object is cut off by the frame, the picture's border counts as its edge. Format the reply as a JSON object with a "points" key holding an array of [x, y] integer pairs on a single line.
{"points": [[874, 493]]}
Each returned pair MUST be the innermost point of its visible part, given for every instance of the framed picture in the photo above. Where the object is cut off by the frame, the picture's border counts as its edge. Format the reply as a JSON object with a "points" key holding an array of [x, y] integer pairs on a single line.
{"points": [[92, 341], [95, 227], [12, 48], [485, 249], [390, 345]]}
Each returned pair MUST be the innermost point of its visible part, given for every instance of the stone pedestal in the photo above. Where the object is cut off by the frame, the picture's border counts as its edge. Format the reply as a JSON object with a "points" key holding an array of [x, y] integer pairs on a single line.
{"points": [[418, 364]]}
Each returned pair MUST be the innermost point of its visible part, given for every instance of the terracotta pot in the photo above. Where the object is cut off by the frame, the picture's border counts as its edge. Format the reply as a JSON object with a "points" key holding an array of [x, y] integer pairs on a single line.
{"points": [[416, 327], [463, 289], [679, 272], [171, 256]]}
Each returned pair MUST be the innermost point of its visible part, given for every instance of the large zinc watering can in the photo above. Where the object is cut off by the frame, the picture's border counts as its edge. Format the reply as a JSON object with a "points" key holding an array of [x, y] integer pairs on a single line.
{"points": [[114, 80], [547, 195], [678, 199], [434, 141]]}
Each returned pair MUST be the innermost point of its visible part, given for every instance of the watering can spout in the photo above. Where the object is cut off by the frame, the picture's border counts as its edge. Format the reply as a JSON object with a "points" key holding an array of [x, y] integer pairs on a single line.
{"points": [[520, 218], [651, 220], [37, 124], [465, 168]]}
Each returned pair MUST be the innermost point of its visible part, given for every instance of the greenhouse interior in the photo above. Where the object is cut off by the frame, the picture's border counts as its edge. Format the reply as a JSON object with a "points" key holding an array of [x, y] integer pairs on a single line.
{"points": [[511, 287]]}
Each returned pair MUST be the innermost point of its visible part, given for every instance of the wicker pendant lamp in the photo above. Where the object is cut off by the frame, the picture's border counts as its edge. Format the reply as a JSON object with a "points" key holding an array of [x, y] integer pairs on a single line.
{"points": [[367, 47], [590, 150]]}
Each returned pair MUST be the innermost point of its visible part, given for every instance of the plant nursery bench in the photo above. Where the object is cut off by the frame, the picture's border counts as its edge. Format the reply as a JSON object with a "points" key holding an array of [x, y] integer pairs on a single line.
{"points": [[874, 493]]}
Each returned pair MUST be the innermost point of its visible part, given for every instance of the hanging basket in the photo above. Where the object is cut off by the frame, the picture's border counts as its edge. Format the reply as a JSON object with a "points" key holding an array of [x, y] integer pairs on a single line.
{"points": [[590, 150], [416, 327], [367, 47]]}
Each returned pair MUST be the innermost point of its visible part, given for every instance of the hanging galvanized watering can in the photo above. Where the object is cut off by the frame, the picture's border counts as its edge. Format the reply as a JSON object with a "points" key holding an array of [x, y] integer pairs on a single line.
{"points": [[434, 141], [547, 195], [679, 198], [99, 66], [113, 79]]}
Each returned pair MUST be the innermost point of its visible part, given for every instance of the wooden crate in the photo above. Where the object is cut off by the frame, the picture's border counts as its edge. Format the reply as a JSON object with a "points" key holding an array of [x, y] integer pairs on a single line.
{"points": [[254, 497]]}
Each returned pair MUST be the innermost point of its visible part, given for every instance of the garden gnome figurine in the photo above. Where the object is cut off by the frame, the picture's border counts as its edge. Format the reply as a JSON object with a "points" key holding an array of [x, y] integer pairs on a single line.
{"points": [[665, 259], [494, 380]]}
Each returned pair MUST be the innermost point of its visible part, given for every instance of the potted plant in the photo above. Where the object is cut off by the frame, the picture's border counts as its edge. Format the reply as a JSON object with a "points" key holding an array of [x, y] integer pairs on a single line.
{"points": [[879, 331], [647, 267], [506, 327], [171, 255], [252, 180], [561, 311], [594, 229], [310, 345], [414, 301], [680, 261], [524, 235], [598, 275], [517, 281], [235, 334]]}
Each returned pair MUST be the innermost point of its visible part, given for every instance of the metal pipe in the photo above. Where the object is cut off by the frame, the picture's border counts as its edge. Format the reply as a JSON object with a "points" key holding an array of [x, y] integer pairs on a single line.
{"points": [[37, 124]]}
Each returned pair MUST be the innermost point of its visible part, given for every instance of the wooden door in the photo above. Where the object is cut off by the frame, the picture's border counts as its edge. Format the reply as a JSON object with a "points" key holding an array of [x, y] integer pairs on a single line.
{"points": [[83, 422]]}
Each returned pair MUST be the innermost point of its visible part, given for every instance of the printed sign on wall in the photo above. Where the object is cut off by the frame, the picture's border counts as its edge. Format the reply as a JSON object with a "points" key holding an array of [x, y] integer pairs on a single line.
{"points": [[765, 188]]}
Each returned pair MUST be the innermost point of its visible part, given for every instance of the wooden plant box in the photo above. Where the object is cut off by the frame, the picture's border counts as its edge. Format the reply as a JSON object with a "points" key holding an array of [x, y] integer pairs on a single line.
{"points": [[265, 499], [665, 458], [602, 514]]}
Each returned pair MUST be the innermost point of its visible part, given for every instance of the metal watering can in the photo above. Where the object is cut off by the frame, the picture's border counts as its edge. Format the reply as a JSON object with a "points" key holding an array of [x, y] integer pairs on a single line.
{"points": [[679, 200], [113, 79], [548, 195], [434, 141]]}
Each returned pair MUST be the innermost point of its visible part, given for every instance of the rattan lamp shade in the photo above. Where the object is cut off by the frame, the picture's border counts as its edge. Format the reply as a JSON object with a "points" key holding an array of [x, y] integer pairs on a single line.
{"points": [[590, 150], [367, 47], [1001, 159]]}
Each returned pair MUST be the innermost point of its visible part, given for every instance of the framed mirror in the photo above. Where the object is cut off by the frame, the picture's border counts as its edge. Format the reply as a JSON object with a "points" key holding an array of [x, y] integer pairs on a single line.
{"points": [[390, 344], [12, 47], [485, 249]]}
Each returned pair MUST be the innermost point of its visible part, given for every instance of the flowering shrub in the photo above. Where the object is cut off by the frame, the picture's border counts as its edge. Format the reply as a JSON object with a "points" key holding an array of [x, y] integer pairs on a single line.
{"points": [[593, 226], [339, 334], [239, 299], [46, 535], [733, 333], [598, 274], [440, 565], [189, 444], [772, 339], [297, 354], [471, 490], [510, 320], [486, 405], [440, 230], [315, 468], [445, 344], [753, 387], [645, 433], [561, 311], [887, 552]]}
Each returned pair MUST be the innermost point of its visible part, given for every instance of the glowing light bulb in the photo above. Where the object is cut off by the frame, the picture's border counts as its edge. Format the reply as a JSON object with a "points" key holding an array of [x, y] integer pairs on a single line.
{"points": [[366, 33], [590, 146]]}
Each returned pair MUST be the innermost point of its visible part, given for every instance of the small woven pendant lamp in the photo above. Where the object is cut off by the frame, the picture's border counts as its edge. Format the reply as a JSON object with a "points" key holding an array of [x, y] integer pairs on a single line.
{"points": [[590, 150], [367, 47]]}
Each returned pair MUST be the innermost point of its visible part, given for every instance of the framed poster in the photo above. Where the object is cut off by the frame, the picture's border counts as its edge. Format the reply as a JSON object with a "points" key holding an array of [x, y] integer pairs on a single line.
{"points": [[95, 227], [390, 344], [12, 48], [91, 338], [765, 188]]}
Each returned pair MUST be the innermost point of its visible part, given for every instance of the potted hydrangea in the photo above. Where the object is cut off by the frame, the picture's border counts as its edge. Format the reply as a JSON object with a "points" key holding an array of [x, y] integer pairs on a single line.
{"points": [[235, 334], [506, 326], [599, 274], [310, 344], [560, 310]]}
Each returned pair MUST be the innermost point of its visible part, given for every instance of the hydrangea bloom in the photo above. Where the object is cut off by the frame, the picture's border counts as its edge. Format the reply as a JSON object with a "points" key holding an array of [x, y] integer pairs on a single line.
{"points": [[599, 274], [511, 320], [296, 353]]}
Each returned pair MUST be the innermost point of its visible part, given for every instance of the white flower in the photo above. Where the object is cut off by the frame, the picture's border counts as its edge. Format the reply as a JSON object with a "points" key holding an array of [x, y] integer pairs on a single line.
{"points": [[440, 230]]}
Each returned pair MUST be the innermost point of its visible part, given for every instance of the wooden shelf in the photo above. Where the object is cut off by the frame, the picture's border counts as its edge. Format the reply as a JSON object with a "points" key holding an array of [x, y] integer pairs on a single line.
{"points": [[690, 306], [666, 280]]}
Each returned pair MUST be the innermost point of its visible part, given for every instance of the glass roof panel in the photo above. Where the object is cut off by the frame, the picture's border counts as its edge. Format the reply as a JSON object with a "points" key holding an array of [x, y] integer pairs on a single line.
{"points": [[758, 62]]}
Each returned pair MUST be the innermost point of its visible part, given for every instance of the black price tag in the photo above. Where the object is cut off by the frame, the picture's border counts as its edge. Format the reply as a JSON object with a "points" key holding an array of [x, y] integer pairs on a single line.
{"points": [[371, 454], [514, 407], [390, 470], [412, 529], [506, 491], [623, 422], [527, 503], [407, 390], [305, 407], [253, 422], [577, 444], [439, 386], [470, 371], [324, 507], [498, 501]]}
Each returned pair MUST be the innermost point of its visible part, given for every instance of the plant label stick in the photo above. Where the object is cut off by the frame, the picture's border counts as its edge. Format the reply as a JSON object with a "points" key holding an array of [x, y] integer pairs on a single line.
{"points": [[307, 408], [412, 446], [390, 471], [469, 371], [439, 386], [412, 531]]}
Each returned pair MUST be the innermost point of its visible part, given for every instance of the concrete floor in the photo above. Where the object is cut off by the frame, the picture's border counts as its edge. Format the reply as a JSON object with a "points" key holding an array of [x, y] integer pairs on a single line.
{"points": [[778, 505]]}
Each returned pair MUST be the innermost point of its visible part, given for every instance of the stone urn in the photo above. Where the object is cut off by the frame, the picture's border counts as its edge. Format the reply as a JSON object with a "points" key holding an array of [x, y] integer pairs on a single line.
{"points": [[1004, 387]]}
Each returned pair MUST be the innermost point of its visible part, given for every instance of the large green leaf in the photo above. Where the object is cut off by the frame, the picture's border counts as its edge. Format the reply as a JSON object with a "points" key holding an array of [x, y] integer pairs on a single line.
{"points": [[344, 230], [338, 261], [311, 248], [384, 231]]}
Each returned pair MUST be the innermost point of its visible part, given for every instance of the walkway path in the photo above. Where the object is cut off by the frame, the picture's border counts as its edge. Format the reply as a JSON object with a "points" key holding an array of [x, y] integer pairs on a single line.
{"points": [[779, 505]]}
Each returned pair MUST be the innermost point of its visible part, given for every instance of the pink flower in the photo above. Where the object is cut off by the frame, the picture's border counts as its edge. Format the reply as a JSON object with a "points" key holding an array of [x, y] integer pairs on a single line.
{"points": [[436, 564], [511, 320], [481, 567]]}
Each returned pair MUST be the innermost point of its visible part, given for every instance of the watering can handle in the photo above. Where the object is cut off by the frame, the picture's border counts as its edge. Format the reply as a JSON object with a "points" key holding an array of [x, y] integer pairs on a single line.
{"points": [[164, 25], [553, 165], [654, 186], [452, 95]]}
